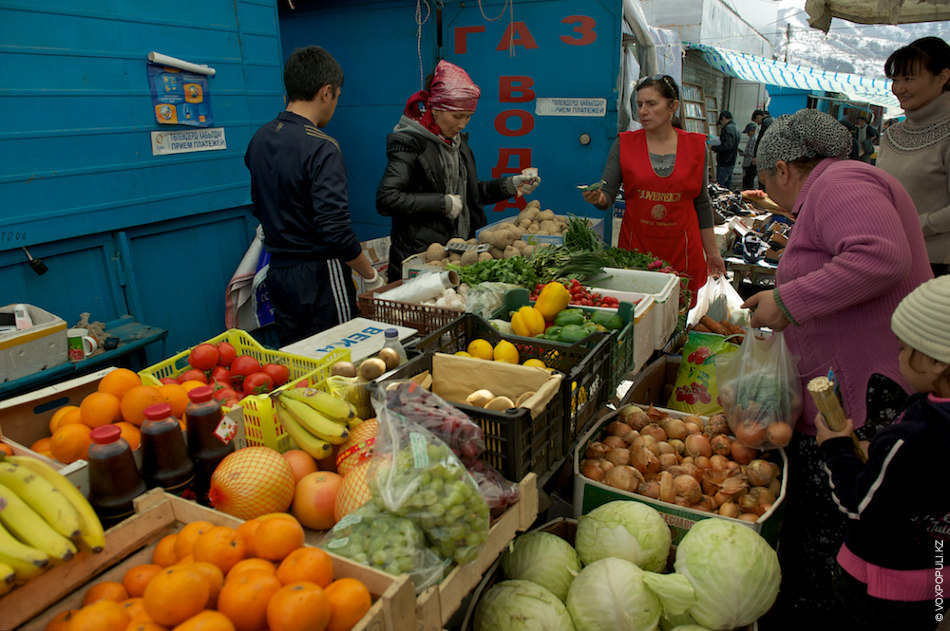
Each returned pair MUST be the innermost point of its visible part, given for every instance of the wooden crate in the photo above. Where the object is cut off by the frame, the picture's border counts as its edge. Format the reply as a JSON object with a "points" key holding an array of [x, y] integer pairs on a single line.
{"points": [[436, 604], [33, 605]]}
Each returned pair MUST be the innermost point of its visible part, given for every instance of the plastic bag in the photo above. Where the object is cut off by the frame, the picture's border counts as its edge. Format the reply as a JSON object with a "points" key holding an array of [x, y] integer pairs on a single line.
{"points": [[761, 391], [498, 492], [720, 301], [696, 388], [414, 474], [389, 543], [485, 299], [353, 390]]}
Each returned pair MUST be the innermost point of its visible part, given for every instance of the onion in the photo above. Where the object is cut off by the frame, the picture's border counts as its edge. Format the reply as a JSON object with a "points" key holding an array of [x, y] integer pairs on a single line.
{"points": [[763, 498], [667, 490], [618, 428], [702, 462], [665, 448], [619, 456], [717, 462], [655, 414], [645, 461], [677, 470], [592, 471], [698, 445], [614, 441], [721, 444], [668, 461], [644, 441], [775, 486], [596, 450], [692, 418], [759, 473], [650, 489], [704, 504], [733, 486], [747, 503], [626, 411], [630, 436], [687, 487], [677, 444], [716, 424], [687, 459], [605, 464], [637, 419], [733, 466], [729, 509], [743, 454], [693, 470], [693, 428], [751, 517], [624, 477], [750, 433], [654, 430], [779, 434], [674, 428]]}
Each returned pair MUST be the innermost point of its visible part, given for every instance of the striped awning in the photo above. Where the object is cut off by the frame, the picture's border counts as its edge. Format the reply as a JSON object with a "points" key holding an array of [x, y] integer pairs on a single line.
{"points": [[760, 70]]}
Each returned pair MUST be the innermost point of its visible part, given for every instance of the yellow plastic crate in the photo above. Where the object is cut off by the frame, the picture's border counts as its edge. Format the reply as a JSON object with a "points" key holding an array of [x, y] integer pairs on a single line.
{"points": [[261, 426]]}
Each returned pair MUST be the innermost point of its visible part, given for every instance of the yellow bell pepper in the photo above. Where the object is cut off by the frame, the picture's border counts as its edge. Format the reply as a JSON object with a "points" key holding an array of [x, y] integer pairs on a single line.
{"points": [[527, 322], [554, 297]]}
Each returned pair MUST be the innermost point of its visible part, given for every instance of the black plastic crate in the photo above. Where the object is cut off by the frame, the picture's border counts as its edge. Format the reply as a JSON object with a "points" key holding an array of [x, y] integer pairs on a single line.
{"points": [[515, 443], [586, 365]]}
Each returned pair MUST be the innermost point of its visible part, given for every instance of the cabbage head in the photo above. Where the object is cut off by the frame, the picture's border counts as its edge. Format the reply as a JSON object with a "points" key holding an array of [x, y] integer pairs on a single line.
{"points": [[521, 606], [610, 595], [544, 559], [690, 627], [734, 573], [624, 529]]}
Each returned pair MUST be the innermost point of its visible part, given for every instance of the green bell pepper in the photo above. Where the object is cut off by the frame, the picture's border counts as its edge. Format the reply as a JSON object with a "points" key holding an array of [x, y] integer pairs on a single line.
{"points": [[568, 317], [572, 333], [608, 319], [552, 333]]}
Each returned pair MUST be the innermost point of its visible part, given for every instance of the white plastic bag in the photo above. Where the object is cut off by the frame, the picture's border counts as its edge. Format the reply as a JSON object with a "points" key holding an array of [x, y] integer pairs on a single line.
{"points": [[720, 301]]}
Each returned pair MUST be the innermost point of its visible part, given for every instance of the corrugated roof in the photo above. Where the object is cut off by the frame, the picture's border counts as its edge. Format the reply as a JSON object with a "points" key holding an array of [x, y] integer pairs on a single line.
{"points": [[820, 12]]}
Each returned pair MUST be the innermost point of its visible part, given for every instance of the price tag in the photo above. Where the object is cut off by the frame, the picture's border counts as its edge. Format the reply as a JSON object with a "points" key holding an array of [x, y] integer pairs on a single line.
{"points": [[226, 430]]}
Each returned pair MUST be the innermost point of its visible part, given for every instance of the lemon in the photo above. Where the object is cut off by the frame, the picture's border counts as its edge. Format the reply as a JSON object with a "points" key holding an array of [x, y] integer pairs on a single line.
{"points": [[480, 348], [506, 352], [537, 363], [463, 354]]}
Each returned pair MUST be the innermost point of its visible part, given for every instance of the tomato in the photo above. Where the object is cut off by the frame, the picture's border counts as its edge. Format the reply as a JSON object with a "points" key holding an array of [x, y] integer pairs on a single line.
{"points": [[226, 353], [193, 375], [203, 357], [258, 383], [221, 375], [167, 380], [280, 374], [222, 394], [241, 367]]}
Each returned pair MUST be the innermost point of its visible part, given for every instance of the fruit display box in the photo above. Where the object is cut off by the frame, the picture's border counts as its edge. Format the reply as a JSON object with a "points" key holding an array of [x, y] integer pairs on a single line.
{"points": [[589, 494], [663, 288], [261, 426], [43, 345], [32, 605], [423, 318]]}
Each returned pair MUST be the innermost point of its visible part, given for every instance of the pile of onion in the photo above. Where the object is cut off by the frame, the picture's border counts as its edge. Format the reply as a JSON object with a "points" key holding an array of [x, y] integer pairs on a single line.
{"points": [[688, 461]]}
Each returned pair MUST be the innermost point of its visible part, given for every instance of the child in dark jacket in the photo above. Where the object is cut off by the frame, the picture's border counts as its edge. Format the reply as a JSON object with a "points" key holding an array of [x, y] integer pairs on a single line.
{"points": [[890, 572]]}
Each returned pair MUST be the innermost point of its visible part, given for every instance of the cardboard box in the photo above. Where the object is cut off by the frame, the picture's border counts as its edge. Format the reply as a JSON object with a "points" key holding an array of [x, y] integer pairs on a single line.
{"points": [[596, 224], [31, 350], [377, 251], [663, 288], [416, 264]]}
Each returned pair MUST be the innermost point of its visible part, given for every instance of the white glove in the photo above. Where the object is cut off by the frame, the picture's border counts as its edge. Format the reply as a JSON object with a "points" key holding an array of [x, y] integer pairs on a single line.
{"points": [[525, 184], [453, 206], [374, 282]]}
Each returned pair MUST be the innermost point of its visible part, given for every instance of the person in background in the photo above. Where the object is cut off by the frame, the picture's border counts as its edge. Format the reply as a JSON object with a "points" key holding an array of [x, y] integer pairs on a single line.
{"points": [[663, 172], [894, 586], [866, 136], [855, 252], [855, 148], [917, 150], [748, 155], [727, 149], [430, 187], [299, 194]]}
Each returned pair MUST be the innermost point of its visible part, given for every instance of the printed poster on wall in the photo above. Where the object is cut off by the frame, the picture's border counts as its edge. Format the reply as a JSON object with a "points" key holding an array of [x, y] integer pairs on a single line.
{"points": [[179, 97]]}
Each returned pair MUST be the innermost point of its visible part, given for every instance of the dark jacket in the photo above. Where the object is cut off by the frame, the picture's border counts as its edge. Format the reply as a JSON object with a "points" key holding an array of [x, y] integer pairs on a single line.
{"points": [[412, 191], [768, 120], [728, 147]]}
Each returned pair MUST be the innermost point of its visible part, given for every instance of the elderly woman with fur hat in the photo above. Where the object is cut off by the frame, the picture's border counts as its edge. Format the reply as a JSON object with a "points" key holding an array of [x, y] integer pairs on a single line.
{"points": [[855, 251]]}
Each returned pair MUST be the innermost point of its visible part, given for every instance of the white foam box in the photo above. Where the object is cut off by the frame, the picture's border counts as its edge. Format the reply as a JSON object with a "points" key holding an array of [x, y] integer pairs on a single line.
{"points": [[31, 350], [663, 288], [645, 313], [597, 225]]}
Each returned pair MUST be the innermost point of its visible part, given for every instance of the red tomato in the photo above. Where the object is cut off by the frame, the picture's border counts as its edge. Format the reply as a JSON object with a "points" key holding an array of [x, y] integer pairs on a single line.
{"points": [[193, 375], [222, 394], [241, 367], [230, 403], [167, 380], [280, 374], [221, 375], [226, 353], [258, 383], [203, 357]]}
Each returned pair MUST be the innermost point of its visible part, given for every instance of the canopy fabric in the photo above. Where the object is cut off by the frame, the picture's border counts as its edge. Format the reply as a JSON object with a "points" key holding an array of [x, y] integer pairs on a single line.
{"points": [[751, 68], [820, 12]]}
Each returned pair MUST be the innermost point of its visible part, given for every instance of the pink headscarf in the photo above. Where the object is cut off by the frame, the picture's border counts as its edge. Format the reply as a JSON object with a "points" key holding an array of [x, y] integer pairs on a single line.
{"points": [[452, 90]]}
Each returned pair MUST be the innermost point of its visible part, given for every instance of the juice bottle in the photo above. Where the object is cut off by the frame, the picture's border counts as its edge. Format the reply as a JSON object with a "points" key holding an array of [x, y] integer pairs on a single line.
{"points": [[165, 461], [392, 341], [114, 480], [205, 447]]}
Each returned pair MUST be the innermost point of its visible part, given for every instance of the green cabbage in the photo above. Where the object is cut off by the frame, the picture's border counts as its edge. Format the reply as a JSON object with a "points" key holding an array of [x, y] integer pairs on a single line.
{"points": [[734, 573], [690, 627], [544, 559], [624, 529], [610, 594], [521, 606]]}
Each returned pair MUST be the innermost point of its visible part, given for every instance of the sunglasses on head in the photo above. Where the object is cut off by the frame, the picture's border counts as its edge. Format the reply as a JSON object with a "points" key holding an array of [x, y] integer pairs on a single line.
{"points": [[657, 77]]}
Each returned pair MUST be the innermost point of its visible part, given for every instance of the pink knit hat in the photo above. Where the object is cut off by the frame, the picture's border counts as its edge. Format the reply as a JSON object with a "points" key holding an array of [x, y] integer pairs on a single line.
{"points": [[452, 90]]}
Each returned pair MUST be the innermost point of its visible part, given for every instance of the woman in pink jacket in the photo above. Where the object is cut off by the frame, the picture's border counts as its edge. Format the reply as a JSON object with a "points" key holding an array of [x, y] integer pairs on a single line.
{"points": [[855, 251]]}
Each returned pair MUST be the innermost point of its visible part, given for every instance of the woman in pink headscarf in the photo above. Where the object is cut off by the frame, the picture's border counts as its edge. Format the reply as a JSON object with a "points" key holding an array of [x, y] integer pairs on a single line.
{"points": [[430, 187]]}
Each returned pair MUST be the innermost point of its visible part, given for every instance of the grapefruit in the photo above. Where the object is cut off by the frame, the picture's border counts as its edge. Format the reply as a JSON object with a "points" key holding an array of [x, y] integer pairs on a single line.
{"points": [[315, 498]]}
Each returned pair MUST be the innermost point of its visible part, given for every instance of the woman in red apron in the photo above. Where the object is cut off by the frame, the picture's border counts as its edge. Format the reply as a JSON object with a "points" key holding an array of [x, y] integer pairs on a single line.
{"points": [[663, 172]]}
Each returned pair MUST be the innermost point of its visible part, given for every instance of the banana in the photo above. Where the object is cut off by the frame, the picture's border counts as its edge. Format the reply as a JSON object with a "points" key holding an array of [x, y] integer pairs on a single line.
{"points": [[353, 423], [7, 578], [26, 561], [42, 497], [314, 446], [333, 407], [27, 526], [316, 423], [90, 528]]}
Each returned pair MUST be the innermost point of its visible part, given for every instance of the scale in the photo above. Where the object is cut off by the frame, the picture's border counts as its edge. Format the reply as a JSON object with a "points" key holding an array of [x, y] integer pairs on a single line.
{"points": [[462, 247]]}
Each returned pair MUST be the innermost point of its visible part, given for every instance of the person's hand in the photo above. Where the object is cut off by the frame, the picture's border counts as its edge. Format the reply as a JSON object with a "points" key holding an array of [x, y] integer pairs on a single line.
{"points": [[715, 266], [525, 184], [755, 193], [374, 282], [824, 432], [453, 206], [597, 198], [765, 311]]}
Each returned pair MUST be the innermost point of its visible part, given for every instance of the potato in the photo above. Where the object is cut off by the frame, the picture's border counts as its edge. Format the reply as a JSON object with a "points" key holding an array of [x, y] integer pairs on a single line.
{"points": [[549, 227], [484, 236], [534, 228], [469, 257], [485, 256], [533, 204], [529, 213], [511, 251], [435, 252], [524, 224], [546, 214], [454, 257], [528, 251], [498, 239], [473, 241], [455, 240], [497, 253], [521, 244]]}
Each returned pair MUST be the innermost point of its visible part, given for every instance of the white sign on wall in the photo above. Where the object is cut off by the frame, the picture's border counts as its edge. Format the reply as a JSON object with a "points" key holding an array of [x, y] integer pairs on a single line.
{"points": [[546, 106], [188, 141]]}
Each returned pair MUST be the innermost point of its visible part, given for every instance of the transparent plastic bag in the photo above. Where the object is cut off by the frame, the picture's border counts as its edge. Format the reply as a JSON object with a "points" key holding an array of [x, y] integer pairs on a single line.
{"points": [[760, 390], [497, 490], [485, 299], [414, 474], [720, 301]]}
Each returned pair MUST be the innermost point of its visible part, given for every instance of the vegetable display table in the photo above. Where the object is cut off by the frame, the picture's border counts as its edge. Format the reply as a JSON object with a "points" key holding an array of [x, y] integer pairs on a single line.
{"points": [[758, 274]]}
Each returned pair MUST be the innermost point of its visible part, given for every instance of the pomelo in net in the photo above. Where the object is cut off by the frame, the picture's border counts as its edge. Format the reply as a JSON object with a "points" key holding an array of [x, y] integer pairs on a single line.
{"points": [[252, 482], [358, 447], [353, 492]]}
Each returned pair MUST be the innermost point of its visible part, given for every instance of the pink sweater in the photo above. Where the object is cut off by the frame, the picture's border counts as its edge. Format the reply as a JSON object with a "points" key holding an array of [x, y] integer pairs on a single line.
{"points": [[856, 250]]}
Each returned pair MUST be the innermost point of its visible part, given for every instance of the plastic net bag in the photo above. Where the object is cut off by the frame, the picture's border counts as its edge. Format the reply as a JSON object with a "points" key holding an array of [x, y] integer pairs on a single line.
{"points": [[499, 493], [760, 390], [354, 391]]}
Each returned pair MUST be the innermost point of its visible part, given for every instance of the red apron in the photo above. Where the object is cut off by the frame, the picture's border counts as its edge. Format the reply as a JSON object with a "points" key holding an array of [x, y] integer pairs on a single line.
{"points": [[660, 216]]}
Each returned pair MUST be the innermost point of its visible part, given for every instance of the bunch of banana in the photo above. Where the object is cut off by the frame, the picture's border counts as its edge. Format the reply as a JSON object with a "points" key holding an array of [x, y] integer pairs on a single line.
{"points": [[41, 515], [316, 420]]}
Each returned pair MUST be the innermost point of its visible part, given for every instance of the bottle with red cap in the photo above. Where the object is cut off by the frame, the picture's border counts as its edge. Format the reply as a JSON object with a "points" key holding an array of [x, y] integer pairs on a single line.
{"points": [[206, 445], [114, 480], [165, 460]]}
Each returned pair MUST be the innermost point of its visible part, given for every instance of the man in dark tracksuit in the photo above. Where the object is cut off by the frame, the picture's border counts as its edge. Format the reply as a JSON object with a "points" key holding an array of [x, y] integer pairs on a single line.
{"points": [[298, 188], [727, 149]]}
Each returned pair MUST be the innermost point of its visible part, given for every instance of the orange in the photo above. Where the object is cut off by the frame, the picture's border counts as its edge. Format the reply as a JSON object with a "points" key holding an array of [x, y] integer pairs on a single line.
{"points": [[136, 400], [306, 564], [188, 535], [251, 564], [102, 615], [349, 602], [106, 590], [99, 408], [176, 396], [142, 616], [298, 607], [188, 559], [41, 445], [246, 532], [144, 625], [301, 463], [70, 442], [136, 578], [220, 546], [67, 411], [119, 381], [206, 621], [274, 539], [213, 576], [130, 433], [133, 607], [7, 449], [244, 599], [61, 621], [191, 384], [176, 594], [164, 552]]}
